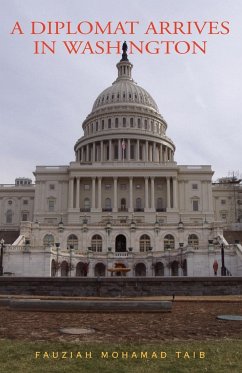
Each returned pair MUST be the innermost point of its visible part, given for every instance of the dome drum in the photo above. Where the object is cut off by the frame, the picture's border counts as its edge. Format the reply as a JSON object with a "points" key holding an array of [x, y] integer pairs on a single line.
{"points": [[124, 149]]}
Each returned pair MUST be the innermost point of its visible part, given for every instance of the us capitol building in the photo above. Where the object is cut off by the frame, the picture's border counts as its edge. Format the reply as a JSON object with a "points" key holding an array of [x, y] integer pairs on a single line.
{"points": [[124, 207]]}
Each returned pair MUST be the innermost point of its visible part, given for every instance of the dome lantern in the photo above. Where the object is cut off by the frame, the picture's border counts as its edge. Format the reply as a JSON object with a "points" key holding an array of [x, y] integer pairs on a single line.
{"points": [[124, 66]]}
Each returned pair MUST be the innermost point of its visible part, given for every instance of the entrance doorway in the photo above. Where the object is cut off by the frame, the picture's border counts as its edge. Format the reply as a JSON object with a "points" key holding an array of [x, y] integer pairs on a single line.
{"points": [[120, 244]]}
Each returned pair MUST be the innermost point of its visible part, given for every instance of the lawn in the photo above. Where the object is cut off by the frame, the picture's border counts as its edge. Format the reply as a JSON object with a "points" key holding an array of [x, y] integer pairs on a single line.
{"points": [[169, 357]]}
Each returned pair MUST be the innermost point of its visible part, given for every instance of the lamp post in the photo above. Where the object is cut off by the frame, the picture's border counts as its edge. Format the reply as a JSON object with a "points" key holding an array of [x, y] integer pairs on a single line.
{"points": [[57, 266], [223, 268], [1, 258]]}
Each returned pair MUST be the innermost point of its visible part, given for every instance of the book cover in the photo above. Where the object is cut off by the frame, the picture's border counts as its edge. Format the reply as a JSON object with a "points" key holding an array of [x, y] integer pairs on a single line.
{"points": [[70, 103]]}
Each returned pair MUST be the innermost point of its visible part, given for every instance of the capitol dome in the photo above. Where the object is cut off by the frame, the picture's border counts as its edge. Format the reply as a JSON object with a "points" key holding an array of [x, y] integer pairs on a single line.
{"points": [[124, 116], [124, 90]]}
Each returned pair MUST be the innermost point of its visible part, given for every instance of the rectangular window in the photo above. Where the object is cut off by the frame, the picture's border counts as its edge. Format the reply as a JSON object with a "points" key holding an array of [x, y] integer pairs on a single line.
{"points": [[195, 205], [194, 186], [109, 123], [25, 217], [115, 151], [132, 156], [86, 186], [51, 204], [131, 122], [25, 202], [123, 186], [140, 152], [52, 186], [102, 124], [223, 201], [108, 186]]}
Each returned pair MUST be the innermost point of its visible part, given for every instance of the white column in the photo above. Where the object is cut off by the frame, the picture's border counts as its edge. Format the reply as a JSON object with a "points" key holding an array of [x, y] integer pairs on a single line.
{"points": [[168, 187], [161, 155], [115, 194], [152, 192], [119, 150], [71, 186], [101, 151], [137, 150], [181, 195], [43, 196], [131, 208], [82, 154], [147, 151], [87, 154], [210, 197], [94, 152], [77, 192], [128, 150], [146, 193], [99, 193], [110, 151], [150, 153], [154, 153], [93, 192], [165, 154], [174, 192]]}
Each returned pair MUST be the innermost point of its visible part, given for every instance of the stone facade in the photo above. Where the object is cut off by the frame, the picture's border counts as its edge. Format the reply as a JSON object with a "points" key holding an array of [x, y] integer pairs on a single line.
{"points": [[123, 203]]}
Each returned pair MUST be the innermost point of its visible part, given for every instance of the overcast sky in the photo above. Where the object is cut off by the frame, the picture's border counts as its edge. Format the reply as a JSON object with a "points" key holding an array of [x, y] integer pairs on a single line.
{"points": [[45, 98]]}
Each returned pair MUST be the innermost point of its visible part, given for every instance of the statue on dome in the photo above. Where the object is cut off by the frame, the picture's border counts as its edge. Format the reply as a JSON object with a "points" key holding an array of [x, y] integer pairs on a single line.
{"points": [[124, 54]]}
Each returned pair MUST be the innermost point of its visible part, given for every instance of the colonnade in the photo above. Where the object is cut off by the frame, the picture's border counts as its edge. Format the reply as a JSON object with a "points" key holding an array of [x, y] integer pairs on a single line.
{"points": [[97, 188], [124, 149]]}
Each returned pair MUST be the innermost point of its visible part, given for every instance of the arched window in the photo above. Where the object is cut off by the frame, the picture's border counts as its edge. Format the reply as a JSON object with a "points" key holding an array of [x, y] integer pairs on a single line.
{"points": [[193, 241], [87, 204], [159, 269], [9, 217], [82, 269], [174, 268], [123, 204], [116, 122], [64, 269], [96, 243], [169, 242], [144, 243], [138, 204], [48, 240], [72, 242], [140, 269], [99, 270], [108, 204], [159, 204]]}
